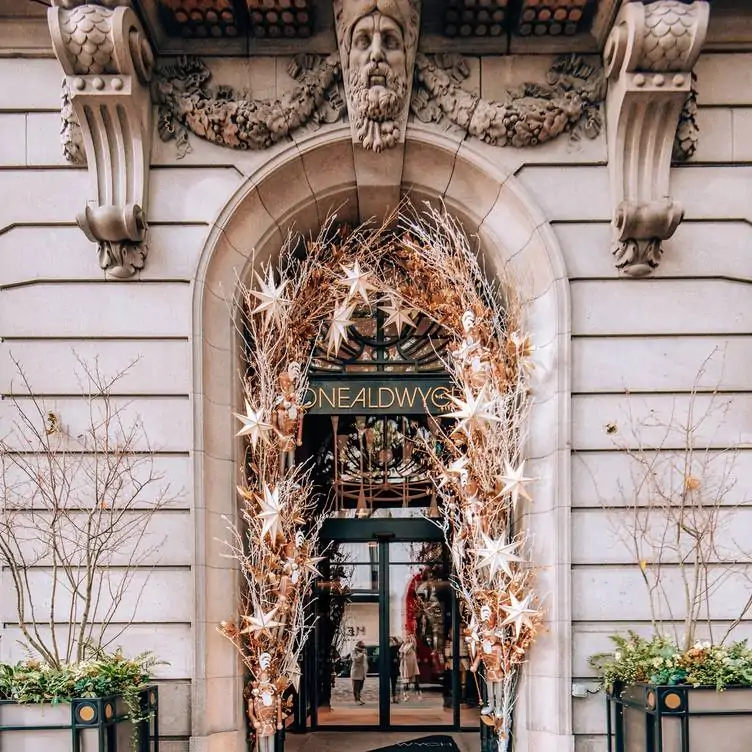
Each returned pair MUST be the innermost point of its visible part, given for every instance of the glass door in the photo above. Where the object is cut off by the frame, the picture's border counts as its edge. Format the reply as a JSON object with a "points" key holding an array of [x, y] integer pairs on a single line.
{"points": [[388, 649]]}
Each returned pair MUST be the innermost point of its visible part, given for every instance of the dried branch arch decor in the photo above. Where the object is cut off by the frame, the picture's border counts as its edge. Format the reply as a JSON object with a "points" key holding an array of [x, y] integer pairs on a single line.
{"points": [[425, 267]]}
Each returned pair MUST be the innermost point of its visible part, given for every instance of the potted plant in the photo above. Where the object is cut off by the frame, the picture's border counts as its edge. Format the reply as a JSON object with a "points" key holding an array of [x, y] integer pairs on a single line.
{"points": [[75, 513], [686, 684]]}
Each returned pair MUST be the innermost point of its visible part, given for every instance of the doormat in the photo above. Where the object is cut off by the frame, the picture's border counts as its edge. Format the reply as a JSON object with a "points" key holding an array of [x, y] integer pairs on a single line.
{"points": [[424, 744]]}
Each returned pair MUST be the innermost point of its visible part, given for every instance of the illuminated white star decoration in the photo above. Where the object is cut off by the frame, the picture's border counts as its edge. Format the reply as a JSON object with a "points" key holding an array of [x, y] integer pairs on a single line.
{"points": [[474, 411], [273, 303], [454, 468], [398, 315], [341, 319], [497, 555], [271, 510], [356, 279], [261, 622], [514, 482], [253, 425], [473, 639], [519, 613]]}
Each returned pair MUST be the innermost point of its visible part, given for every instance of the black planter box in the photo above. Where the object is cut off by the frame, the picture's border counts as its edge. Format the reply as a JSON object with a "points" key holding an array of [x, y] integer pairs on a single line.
{"points": [[84, 725], [662, 718]]}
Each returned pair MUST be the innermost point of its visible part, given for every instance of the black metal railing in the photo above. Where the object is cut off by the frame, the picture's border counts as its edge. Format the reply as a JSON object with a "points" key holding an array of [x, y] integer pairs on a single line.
{"points": [[664, 718], [96, 724]]}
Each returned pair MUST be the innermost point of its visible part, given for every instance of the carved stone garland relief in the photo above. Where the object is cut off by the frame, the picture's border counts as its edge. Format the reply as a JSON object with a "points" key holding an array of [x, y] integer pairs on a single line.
{"points": [[109, 67]]}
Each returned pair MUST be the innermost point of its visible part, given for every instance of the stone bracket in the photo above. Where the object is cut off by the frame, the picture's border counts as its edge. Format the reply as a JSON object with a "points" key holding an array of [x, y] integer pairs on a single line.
{"points": [[108, 64], [649, 57]]}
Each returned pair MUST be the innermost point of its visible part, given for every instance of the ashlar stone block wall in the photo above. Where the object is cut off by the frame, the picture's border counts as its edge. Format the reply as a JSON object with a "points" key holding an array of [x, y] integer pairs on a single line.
{"points": [[646, 336]]}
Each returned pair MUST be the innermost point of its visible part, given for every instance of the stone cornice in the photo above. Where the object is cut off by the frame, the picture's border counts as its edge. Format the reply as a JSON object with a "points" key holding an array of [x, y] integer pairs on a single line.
{"points": [[649, 57], [108, 64]]}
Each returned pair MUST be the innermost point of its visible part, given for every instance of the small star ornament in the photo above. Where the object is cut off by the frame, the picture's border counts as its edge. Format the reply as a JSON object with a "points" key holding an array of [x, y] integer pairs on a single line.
{"points": [[253, 425], [497, 555], [455, 468], [356, 279], [398, 315], [273, 303], [514, 482], [519, 613], [271, 510], [261, 622], [341, 320], [475, 411]]}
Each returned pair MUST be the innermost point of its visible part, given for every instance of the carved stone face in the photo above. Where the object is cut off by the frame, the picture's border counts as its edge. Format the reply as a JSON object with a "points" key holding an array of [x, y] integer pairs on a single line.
{"points": [[377, 79]]}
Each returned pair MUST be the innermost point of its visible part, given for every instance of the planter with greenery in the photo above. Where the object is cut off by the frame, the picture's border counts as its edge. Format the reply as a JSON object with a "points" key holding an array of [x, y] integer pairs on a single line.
{"points": [[75, 515], [684, 686]]}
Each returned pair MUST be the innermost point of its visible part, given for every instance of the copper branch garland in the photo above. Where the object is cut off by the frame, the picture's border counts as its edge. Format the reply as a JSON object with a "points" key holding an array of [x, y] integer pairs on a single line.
{"points": [[424, 267]]}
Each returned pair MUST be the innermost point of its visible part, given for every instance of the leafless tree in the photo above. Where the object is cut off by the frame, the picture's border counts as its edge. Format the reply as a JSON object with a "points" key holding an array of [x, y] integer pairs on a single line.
{"points": [[75, 514], [679, 511]]}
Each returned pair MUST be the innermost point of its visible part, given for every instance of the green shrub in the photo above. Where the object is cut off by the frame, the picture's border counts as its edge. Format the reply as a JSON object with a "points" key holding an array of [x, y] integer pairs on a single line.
{"points": [[660, 661]]}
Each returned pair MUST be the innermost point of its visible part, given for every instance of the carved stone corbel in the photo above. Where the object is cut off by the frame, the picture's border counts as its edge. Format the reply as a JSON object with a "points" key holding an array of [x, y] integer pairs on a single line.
{"points": [[108, 63], [649, 57]]}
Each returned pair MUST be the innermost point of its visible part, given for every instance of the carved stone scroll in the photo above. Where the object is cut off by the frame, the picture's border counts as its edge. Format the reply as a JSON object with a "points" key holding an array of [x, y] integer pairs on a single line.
{"points": [[649, 57], [378, 40], [108, 63]]}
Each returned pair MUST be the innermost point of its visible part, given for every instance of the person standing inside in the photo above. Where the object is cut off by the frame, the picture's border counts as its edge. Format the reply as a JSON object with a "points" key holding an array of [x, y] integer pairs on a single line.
{"points": [[358, 668], [394, 665], [409, 666]]}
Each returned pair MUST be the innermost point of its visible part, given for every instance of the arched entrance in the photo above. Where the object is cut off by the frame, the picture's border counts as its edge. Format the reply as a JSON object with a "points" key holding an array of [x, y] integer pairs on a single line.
{"points": [[300, 184]]}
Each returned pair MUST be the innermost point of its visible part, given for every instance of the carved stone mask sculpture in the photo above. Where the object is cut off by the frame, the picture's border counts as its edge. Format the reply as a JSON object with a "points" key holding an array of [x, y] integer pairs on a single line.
{"points": [[377, 42]]}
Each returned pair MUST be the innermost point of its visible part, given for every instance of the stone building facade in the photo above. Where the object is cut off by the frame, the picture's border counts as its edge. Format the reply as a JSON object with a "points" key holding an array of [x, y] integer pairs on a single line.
{"points": [[616, 183]]}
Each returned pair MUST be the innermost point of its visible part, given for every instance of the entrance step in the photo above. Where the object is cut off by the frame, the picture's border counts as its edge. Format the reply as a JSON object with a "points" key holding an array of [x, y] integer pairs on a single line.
{"points": [[365, 741]]}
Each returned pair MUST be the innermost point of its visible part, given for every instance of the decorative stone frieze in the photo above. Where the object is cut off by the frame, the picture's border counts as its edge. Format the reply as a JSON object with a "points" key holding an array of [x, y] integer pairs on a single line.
{"points": [[378, 40], [569, 101], [226, 118], [649, 57], [108, 63]]}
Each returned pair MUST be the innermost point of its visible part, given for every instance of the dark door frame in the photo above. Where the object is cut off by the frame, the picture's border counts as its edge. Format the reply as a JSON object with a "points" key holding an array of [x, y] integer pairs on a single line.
{"points": [[384, 531]]}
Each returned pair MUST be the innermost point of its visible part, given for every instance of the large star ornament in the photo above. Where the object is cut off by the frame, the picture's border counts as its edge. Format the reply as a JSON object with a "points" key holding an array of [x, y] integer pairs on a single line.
{"points": [[253, 425], [273, 302], [519, 613], [341, 320], [356, 279], [514, 482], [398, 315], [261, 622], [497, 555], [271, 510], [474, 410]]}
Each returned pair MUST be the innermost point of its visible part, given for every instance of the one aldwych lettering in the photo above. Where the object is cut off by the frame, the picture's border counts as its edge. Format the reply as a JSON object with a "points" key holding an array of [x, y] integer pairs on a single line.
{"points": [[402, 398]]}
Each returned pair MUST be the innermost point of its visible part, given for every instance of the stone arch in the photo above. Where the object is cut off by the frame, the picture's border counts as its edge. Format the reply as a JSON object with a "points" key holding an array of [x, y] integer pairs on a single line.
{"points": [[298, 186]]}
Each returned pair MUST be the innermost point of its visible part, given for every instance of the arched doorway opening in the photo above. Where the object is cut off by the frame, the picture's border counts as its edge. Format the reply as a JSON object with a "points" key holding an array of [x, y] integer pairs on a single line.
{"points": [[385, 586], [299, 185]]}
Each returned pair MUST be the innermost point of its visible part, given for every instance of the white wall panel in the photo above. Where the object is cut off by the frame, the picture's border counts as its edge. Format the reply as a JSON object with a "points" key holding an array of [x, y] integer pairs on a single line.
{"points": [[606, 536], [172, 644], [167, 421], [661, 364], [151, 596], [54, 366], [656, 306], [608, 593], [64, 253], [163, 540], [602, 479], [12, 140], [726, 421], [697, 249], [30, 84], [724, 79], [109, 309]]}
